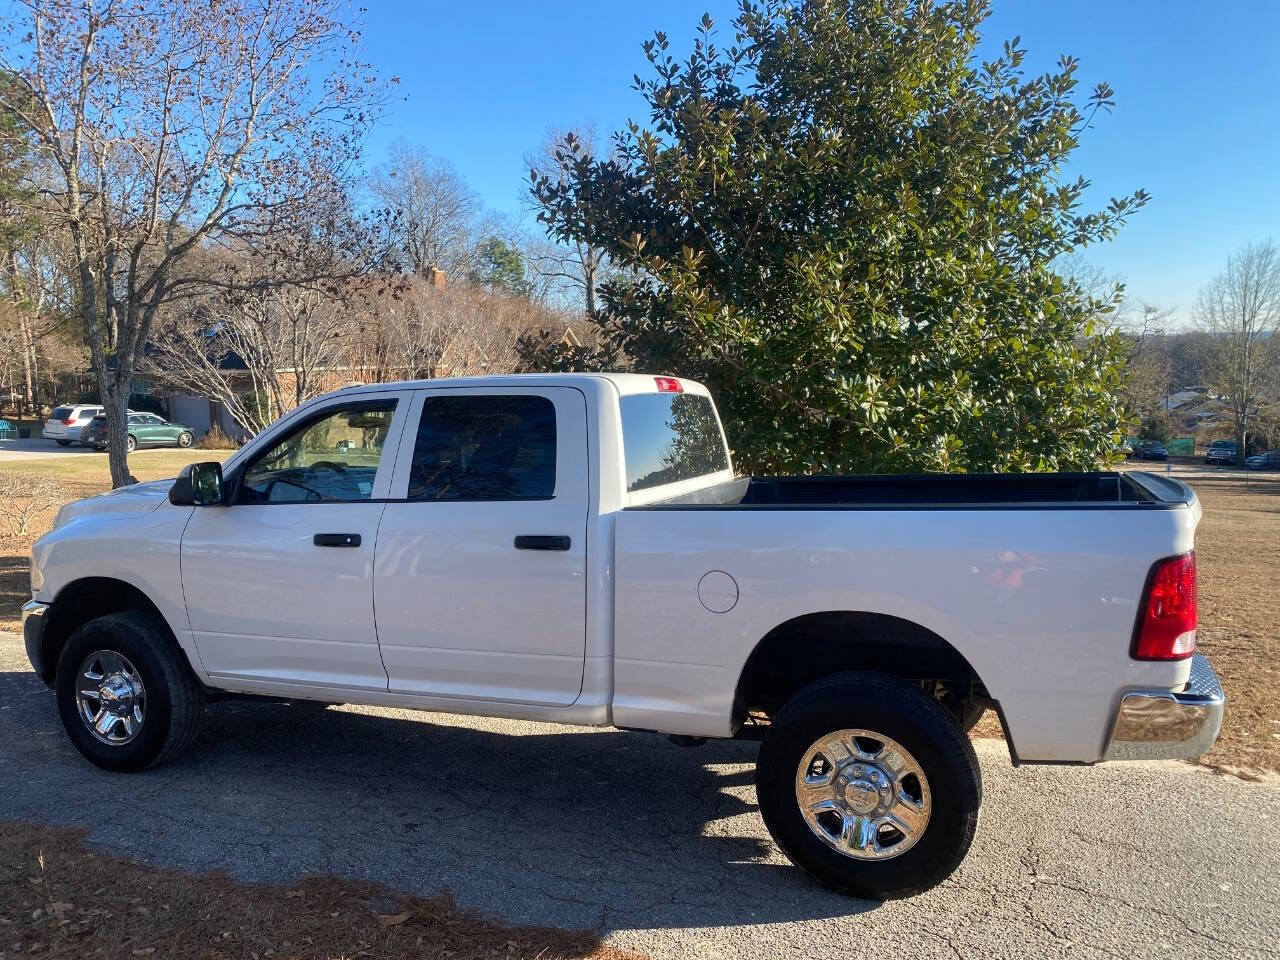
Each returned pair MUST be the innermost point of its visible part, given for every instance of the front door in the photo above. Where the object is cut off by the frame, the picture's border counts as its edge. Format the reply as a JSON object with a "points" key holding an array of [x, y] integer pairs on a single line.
{"points": [[480, 581], [279, 585]]}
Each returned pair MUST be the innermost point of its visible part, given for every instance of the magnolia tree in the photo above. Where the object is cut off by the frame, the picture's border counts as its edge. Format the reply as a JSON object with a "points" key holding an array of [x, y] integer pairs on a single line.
{"points": [[167, 128], [848, 226]]}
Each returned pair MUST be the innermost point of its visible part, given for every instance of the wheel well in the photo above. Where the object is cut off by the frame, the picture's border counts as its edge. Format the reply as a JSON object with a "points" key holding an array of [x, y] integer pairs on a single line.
{"points": [[804, 649], [81, 601]]}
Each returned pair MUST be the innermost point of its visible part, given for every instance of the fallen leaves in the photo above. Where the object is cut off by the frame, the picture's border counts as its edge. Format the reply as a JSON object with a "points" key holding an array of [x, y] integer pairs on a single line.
{"points": [[141, 912]]}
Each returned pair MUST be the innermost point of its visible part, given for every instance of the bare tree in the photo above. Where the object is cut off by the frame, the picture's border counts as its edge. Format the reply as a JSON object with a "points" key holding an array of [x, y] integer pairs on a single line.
{"points": [[171, 126], [577, 266], [1240, 311], [432, 214], [259, 353], [455, 332]]}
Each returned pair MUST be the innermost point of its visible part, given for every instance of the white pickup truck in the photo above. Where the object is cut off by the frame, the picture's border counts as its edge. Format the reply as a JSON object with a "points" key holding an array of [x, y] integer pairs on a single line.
{"points": [[577, 548]]}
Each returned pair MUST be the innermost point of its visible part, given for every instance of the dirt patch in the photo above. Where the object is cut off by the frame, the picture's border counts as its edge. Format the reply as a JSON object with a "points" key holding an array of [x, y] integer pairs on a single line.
{"points": [[59, 900], [1238, 562]]}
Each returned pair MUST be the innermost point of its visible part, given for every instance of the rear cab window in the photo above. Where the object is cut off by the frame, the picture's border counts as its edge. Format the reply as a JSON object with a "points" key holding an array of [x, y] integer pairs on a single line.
{"points": [[672, 444]]}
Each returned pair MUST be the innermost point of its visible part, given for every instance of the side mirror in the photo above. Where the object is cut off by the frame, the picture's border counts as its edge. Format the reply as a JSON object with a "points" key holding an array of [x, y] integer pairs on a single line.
{"points": [[198, 485]]}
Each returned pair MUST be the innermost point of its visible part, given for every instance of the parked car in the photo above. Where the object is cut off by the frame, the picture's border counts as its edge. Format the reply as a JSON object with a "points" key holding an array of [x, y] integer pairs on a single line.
{"points": [[145, 430], [1222, 452], [66, 423], [1150, 450], [1264, 461], [577, 548]]}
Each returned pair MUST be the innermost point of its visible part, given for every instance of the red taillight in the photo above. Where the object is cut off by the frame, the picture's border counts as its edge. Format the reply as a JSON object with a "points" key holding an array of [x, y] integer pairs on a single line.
{"points": [[668, 385], [68, 423], [1167, 623]]}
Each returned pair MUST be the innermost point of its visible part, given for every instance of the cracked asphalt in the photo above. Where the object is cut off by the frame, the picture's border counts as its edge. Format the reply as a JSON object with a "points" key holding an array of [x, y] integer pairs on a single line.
{"points": [[658, 847]]}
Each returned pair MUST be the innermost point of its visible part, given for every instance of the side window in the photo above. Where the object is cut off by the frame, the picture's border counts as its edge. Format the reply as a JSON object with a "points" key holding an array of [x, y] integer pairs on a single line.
{"points": [[331, 458], [485, 447]]}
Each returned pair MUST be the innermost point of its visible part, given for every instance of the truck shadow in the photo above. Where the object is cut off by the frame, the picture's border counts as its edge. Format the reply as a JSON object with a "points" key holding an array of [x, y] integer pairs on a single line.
{"points": [[566, 827]]}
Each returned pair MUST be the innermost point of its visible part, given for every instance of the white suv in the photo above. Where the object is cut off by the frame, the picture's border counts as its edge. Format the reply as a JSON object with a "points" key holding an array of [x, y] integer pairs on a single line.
{"points": [[66, 424]]}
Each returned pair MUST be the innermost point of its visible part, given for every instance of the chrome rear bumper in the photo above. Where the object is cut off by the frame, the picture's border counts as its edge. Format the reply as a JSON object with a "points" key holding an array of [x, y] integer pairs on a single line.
{"points": [[1168, 724]]}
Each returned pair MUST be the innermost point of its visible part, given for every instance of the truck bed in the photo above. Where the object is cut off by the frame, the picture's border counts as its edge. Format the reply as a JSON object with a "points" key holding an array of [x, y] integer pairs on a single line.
{"points": [[985, 491]]}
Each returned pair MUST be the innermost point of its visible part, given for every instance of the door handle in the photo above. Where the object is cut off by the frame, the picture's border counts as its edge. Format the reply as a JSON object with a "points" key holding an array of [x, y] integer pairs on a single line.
{"points": [[336, 539], [542, 542]]}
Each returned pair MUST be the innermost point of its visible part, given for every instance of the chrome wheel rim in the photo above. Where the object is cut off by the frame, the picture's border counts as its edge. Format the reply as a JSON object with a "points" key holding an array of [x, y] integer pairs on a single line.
{"points": [[863, 795], [184, 440], [110, 697]]}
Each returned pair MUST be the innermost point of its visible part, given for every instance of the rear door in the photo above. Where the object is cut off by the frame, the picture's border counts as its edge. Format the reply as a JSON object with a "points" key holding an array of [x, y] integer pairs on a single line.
{"points": [[480, 581], [279, 585]]}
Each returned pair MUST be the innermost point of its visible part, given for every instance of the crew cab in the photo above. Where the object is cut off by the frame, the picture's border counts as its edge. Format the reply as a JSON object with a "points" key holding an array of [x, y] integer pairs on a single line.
{"points": [[577, 548]]}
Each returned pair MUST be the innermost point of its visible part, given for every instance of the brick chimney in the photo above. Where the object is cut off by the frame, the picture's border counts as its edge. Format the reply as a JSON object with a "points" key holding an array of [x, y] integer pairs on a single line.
{"points": [[435, 277]]}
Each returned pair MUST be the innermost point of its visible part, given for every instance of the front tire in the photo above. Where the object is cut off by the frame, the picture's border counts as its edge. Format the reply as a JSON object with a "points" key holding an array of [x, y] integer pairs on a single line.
{"points": [[186, 438], [870, 785], [126, 695]]}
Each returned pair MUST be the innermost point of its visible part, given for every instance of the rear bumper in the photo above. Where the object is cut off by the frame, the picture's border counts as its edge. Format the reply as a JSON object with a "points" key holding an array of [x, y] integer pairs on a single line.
{"points": [[33, 621], [1167, 724]]}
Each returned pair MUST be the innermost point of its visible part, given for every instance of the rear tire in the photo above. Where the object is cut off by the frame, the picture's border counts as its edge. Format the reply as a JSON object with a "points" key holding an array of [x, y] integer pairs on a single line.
{"points": [[134, 655], [131, 444], [63, 443], [943, 797]]}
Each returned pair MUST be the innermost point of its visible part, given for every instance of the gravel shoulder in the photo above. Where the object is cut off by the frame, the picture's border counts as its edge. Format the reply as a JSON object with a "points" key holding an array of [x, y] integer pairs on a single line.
{"points": [[652, 847]]}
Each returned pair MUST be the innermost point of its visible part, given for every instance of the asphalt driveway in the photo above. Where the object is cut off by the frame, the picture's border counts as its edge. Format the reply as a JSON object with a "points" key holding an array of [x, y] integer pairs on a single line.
{"points": [[659, 847], [37, 448]]}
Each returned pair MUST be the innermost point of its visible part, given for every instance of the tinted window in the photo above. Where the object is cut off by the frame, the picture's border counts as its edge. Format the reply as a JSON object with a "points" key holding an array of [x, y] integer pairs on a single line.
{"points": [[61, 413], [485, 448], [669, 437], [331, 458]]}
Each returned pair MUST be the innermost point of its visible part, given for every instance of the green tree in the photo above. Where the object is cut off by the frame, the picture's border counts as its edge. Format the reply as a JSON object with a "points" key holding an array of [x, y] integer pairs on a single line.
{"points": [[848, 227], [500, 267], [1156, 426]]}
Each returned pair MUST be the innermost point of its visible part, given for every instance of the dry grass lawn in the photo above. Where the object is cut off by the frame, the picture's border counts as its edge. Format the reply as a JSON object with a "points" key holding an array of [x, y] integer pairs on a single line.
{"points": [[59, 900]]}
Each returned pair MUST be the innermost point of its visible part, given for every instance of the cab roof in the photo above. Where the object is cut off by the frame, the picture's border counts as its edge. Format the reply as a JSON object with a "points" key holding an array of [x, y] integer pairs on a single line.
{"points": [[624, 383]]}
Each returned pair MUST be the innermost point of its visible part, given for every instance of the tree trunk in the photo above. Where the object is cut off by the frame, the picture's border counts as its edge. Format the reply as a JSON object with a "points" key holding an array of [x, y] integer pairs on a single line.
{"points": [[28, 354], [115, 402]]}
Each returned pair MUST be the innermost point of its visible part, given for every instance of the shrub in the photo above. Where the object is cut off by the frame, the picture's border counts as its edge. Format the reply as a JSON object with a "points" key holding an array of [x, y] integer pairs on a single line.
{"points": [[215, 439]]}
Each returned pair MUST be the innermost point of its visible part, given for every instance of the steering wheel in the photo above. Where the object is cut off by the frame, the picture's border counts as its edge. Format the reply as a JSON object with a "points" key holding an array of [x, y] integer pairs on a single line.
{"points": [[331, 465]]}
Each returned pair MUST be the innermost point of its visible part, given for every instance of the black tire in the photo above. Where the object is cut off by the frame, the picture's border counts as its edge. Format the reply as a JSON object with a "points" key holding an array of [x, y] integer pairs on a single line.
{"points": [[63, 443], [895, 709], [186, 438], [99, 448], [174, 700], [131, 444]]}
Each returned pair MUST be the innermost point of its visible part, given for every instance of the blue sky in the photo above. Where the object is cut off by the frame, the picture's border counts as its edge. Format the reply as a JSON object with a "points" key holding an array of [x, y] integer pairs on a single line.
{"points": [[1197, 120]]}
